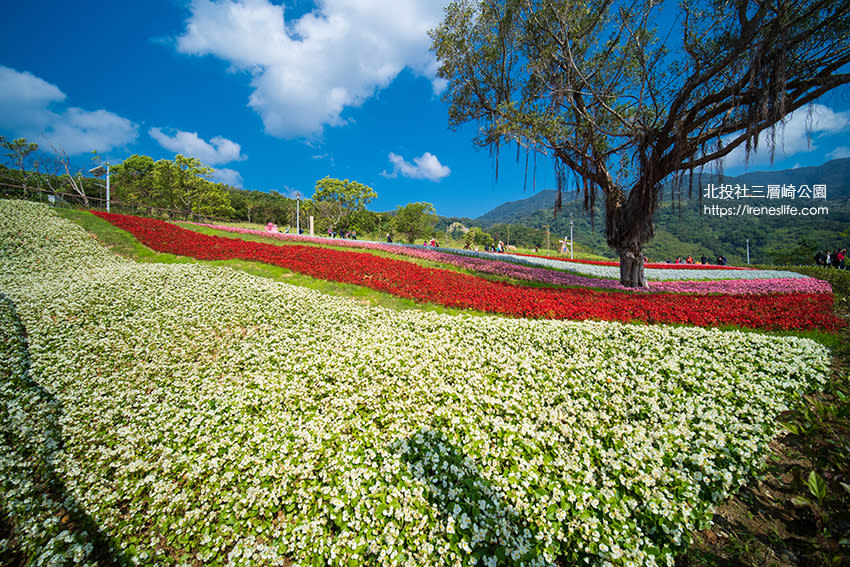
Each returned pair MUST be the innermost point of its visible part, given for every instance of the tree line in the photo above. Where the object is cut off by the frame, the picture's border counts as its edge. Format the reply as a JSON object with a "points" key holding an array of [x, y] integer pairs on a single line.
{"points": [[182, 187]]}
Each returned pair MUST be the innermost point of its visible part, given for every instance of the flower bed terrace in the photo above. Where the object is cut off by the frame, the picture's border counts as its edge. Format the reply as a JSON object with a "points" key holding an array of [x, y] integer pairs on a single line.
{"points": [[200, 415], [801, 311]]}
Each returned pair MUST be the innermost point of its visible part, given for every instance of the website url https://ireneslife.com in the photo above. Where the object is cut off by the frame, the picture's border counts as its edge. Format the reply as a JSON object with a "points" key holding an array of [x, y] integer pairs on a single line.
{"points": [[741, 209]]}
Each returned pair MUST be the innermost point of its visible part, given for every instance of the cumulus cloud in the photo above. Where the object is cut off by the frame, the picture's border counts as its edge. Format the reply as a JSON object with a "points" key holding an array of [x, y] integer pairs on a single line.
{"points": [[228, 177], [797, 135], [307, 71], [426, 166], [24, 100], [218, 150], [35, 109]]}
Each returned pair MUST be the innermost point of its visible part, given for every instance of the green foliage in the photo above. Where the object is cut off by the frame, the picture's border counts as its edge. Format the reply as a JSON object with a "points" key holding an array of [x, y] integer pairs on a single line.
{"points": [[261, 207], [194, 190], [18, 151], [803, 253], [518, 235], [415, 220], [366, 222], [477, 237], [335, 198], [353, 196], [819, 430], [132, 180], [181, 184]]}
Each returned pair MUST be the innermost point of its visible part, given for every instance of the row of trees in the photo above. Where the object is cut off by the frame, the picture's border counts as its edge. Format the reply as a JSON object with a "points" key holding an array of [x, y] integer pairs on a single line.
{"points": [[340, 206], [33, 170], [182, 184], [183, 187], [179, 186]]}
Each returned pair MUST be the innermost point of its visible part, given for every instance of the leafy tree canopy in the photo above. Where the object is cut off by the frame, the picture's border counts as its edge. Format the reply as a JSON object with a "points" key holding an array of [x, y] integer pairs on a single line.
{"points": [[351, 195], [415, 220], [19, 150], [476, 236], [335, 199]]}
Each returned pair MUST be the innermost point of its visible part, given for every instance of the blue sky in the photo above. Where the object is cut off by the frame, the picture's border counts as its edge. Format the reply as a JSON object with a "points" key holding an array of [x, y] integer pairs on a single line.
{"points": [[278, 95]]}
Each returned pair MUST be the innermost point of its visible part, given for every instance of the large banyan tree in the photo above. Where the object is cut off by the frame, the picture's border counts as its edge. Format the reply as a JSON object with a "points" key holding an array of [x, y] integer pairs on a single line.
{"points": [[629, 94]]}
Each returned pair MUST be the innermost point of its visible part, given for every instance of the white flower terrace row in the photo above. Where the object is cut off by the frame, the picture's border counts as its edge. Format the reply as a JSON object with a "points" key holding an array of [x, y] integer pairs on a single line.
{"points": [[207, 415]]}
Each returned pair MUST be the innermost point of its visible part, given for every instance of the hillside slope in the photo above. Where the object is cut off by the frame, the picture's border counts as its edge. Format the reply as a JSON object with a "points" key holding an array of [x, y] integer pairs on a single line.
{"points": [[687, 224]]}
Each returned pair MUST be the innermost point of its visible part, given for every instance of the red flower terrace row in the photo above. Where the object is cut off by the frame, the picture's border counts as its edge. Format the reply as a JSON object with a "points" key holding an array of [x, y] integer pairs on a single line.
{"points": [[800, 311]]}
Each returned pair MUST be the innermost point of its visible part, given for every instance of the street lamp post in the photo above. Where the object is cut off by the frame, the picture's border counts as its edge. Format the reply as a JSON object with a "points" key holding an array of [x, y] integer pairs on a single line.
{"points": [[748, 251], [297, 214], [571, 239], [100, 171]]}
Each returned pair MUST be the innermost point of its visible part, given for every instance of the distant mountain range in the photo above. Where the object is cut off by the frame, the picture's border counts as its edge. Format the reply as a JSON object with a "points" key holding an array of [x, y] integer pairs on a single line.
{"points": [[512, 211], [684, 225]]}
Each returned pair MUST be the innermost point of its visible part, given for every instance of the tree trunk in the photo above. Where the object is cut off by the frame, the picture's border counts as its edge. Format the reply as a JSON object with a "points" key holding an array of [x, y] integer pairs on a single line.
{"points": [[631, 267], [628, 227]]}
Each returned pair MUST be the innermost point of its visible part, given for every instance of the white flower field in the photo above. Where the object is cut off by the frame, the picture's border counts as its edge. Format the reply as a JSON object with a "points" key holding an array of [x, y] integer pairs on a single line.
{"points": [[189, 415]]}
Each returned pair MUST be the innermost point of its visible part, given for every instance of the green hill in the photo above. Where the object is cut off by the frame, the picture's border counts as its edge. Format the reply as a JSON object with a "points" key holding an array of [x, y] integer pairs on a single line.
{"points": [[685, 226]]}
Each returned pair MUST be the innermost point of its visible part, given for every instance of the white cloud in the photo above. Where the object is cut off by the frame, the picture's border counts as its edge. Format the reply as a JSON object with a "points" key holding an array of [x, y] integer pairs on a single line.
{"points": [[35, 109], [24, 101], [228, 176], [80, 131], [426, 166], [839, 153], [218, 150], [798, 135], [307, 71]]}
